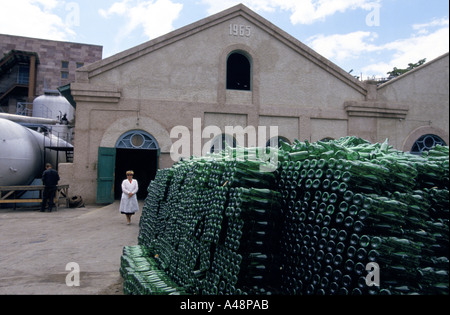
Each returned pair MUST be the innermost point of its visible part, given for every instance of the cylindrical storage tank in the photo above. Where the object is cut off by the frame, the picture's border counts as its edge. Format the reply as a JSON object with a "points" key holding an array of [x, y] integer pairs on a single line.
{"points": [[52, 106], [21, 157], [51, 143]]}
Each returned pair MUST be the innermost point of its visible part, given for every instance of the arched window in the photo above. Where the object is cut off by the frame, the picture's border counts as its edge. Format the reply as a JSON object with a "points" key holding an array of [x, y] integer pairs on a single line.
{"points": [[275, 142], [238, 72], [218, 143], [426, 143], [137, 139]]}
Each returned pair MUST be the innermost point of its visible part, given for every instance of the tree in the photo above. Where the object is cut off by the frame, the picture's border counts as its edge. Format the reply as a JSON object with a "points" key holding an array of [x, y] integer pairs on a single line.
{"points": [[396, 72]]}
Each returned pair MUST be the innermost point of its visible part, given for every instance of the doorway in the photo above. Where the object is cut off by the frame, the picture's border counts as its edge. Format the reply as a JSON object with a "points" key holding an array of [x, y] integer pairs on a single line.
{"points": [[144, 163], [138, 151]]}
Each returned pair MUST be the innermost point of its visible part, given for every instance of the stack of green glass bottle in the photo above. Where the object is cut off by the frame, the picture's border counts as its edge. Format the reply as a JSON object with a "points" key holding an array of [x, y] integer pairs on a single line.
{"points": [[349, 203], [305, 218], [142, 276], [210, 223]]}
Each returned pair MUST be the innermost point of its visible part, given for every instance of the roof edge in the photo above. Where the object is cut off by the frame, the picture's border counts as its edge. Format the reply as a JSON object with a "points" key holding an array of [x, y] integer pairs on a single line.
{"points": [[50, 40], [130, 54], [134, 52], [404, 75]]}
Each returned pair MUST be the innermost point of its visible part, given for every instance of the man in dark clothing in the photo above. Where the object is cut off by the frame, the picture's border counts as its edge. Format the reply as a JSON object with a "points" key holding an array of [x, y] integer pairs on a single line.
{"points": [[50, 179]]}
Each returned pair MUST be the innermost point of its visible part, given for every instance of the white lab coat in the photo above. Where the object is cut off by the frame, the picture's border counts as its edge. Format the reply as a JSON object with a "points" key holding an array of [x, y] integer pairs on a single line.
{"points": [[127, 204]]}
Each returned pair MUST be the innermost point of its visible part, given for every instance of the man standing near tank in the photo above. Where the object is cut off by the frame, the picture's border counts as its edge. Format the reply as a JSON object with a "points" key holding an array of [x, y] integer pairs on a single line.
{"points": [[50, 179]]}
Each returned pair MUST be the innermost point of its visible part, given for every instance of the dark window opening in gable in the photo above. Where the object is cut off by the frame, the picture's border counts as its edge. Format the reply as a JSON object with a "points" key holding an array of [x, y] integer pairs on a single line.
{"points": [[238, 72]]}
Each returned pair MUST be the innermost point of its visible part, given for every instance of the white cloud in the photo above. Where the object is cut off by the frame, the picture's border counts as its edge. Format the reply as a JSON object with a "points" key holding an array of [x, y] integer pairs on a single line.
{"points": [[415, 48], [424, 28], [429, 40], [215, 6], [310, 11], [47, 4], [34, 18], [342, 47], [302, 11], [154, 17]]}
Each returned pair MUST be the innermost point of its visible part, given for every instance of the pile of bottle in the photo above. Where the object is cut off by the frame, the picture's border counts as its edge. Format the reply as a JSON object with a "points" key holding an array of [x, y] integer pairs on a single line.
{"points": [[356, 213], [210, 227], [142, 276], [338, 217]]}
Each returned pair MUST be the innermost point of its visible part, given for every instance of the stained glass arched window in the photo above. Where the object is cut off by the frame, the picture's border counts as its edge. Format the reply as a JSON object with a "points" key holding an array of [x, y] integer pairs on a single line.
{"points": [[137, 139], [218, 143], [276, 141], [425, 143]]}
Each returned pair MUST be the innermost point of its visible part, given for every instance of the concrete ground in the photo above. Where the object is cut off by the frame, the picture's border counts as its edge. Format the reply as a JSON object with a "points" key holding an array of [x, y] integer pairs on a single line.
{"points": [[36, 247]]}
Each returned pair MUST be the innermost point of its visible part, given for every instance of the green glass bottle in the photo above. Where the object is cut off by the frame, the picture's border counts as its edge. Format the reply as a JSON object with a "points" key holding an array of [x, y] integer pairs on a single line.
{"points": [[326, 183]]}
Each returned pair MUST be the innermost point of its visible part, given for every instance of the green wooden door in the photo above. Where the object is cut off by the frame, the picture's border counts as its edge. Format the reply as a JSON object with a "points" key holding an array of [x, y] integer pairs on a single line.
{"points": [[105, 175]]}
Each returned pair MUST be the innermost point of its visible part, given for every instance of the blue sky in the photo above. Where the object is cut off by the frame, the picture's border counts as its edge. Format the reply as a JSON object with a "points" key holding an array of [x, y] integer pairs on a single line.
{"points": [[369, 37]]}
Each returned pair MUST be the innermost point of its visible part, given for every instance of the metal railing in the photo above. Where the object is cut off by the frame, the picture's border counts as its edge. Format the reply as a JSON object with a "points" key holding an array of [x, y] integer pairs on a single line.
{"points": [[24, 109]]}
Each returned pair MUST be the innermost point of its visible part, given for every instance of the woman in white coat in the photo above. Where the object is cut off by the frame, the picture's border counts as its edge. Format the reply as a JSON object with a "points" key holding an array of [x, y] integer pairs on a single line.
{"points": [[128, 203]]}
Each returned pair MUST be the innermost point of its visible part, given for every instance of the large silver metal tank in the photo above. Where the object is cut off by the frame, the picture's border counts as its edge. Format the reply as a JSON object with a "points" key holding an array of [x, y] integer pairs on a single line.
{"points": [[20, 154], [52, 106], [22, 157]]}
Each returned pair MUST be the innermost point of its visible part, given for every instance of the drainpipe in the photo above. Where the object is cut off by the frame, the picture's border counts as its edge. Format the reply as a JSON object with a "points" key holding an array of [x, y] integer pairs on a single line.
{"points": [[32, 79]]}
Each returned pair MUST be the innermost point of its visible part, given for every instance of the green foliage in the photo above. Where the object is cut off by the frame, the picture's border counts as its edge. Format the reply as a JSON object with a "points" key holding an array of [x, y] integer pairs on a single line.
{"points": [[397, 72]]}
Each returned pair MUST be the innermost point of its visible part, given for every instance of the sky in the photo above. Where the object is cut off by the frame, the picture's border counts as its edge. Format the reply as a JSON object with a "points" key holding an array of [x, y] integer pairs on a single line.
{"points": [[366, 38]]}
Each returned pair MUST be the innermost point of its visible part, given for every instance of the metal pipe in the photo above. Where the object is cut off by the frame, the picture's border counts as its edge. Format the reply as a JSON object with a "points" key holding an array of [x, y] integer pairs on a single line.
{"points": [[29, 120]]}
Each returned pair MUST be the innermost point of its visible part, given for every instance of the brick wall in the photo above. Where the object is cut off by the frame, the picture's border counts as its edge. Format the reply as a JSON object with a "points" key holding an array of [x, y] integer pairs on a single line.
{"points": [[52, 54]]}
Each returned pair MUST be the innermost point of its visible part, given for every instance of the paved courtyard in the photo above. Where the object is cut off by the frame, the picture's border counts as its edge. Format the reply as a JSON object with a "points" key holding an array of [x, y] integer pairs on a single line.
{"points": [[36, 247]]}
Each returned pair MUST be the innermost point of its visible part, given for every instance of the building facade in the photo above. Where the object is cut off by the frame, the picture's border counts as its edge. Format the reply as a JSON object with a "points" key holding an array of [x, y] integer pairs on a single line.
{"points": [[233, 69], [30, 66]]}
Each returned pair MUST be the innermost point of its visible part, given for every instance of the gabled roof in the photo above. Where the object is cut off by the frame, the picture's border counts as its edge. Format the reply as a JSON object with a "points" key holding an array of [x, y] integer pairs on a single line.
{"points": [[405, 75], [98, 67]]}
